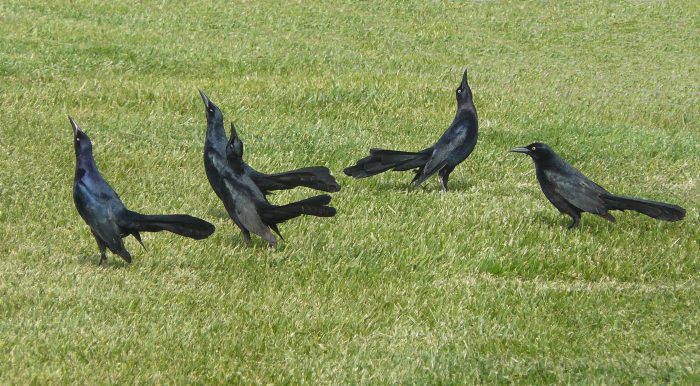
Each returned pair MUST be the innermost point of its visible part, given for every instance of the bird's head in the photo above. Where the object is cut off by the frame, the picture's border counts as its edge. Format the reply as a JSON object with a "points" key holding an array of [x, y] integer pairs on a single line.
{"points": [[81, 141], [536, 150], [213, 112], [234, 147], [463, 92]]}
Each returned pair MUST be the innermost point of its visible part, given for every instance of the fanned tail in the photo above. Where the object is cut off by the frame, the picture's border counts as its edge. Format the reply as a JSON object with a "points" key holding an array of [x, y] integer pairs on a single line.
{"points": [[654, 209], [316, 177], [314, 206], [380, 160], [181, 224]]}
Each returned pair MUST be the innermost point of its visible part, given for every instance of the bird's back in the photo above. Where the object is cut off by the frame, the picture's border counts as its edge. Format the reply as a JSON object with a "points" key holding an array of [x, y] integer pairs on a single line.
{"points": [[460, 138], [560, 180], [99, 206]]}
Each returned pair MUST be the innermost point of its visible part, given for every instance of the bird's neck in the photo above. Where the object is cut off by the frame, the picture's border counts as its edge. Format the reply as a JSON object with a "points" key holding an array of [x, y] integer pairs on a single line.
{"points": [[549, 161], [236, 164], [85, 160], [85, 163], [216, 137], [466, 112]]}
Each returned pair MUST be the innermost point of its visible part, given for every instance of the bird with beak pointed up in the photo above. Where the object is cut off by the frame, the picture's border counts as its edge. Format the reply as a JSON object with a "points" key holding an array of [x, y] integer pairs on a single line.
{"points": [[109, 220]]}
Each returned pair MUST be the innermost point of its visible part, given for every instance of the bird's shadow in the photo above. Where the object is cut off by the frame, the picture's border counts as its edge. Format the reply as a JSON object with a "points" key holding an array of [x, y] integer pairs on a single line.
{"points": [[563, 222], [429, 186], [94, 260], [256, 244]]}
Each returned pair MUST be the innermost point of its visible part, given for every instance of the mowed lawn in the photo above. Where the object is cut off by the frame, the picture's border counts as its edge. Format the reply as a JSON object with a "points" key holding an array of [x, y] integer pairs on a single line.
{"points": [[482, 284]]}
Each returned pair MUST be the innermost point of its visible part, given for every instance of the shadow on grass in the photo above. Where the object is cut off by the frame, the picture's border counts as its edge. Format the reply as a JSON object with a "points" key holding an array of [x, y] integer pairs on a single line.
{"points": [[257, 243], [428, 186], [589, 222], [113, 261]]}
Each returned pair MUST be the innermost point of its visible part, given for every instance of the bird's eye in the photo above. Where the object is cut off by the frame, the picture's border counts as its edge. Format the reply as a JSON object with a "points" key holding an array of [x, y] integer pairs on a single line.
{"points": [[534, 148], [77, 139], [211, 110]]}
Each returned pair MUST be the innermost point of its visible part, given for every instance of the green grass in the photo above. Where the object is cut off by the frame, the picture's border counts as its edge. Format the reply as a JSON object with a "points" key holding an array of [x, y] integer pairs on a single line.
{"points": [[482, 284]]}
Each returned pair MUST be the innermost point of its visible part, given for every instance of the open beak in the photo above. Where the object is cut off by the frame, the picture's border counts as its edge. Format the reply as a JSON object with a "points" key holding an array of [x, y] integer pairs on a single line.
{"points": [[523, 150], [76, 129]]}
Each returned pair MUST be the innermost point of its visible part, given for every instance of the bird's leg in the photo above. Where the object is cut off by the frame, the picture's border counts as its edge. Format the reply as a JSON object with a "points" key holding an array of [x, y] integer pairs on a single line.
{"points": [[608, 217], [444, 174], [443, 182], [103, 248], [246, 238], [575, 221], [103, 257]]}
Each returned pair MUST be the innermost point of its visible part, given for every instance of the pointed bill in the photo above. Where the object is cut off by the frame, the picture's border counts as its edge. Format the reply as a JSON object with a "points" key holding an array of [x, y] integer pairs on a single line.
{"points": [[76, 128], [205, 98], [523, 150], [464, 80]]}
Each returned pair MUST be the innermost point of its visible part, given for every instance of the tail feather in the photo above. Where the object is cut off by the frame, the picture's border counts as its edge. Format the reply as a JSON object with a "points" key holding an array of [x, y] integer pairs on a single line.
{"points": [[313, 206], [654, 209], [380, 160], [181, 224], [316, 177]]}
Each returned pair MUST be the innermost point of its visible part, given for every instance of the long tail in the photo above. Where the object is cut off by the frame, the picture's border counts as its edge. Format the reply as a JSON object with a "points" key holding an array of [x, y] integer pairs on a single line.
{"points": [[314, 206], [180, 224], [380, 160], [655, 209], [316, 177]]}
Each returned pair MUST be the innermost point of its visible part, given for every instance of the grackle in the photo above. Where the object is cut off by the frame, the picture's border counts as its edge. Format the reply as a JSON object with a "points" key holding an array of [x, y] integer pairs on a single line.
{"points": [[244, 201], [455, 145], [109, 220], [572, 193]]}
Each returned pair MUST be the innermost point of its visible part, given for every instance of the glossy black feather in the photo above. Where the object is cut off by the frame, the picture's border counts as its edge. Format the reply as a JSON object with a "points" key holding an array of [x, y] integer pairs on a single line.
{"points": [[455, 145], [233, 182], [314, 177], [109, 220], [572, 193]]}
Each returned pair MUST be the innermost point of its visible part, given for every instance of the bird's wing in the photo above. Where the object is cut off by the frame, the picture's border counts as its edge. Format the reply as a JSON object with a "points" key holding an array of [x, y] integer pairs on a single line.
{"points": [[578, 190], [442, 151], [244, 206], [99, 215], [261, 180]]}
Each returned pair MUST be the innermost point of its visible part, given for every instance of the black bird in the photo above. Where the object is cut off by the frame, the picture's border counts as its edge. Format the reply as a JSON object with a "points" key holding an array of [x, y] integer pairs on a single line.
{"points": [[572, 193], [244, 201], [315, 177], [455, 145], [108, 218]]}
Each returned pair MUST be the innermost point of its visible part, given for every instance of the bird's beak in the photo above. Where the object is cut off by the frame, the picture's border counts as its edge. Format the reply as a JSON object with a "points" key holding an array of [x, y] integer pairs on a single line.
{"points": [[234, 134], [465, 83], [76, 129], [205, 98], [523, 150]]}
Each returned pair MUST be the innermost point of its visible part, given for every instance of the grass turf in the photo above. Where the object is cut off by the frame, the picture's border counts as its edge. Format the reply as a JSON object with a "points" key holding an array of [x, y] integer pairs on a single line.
{"points": [[483, 284]]}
